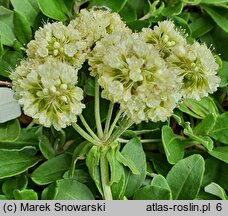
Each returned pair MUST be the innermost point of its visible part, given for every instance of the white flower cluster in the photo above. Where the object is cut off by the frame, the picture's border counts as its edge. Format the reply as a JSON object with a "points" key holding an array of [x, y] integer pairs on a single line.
{"points": [[132, 73], [48, 92], [194, 63], [147, 73], [45, 82]]}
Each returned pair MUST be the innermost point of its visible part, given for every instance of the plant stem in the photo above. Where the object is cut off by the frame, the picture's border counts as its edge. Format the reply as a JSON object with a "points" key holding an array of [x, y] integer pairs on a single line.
{"points": [[104, 169], [108, 119], [84, 134], [126, 123], [142, 141], [5, 83], [97, 110], [92, 134], [114, 123]]}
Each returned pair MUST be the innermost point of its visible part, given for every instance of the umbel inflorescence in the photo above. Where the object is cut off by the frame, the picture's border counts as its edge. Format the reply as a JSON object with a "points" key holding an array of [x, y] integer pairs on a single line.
{"points": [[147, 73]]}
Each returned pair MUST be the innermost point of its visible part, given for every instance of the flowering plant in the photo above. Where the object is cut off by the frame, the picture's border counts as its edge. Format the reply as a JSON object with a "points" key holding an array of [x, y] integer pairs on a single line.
{"points": [[96, 93]]}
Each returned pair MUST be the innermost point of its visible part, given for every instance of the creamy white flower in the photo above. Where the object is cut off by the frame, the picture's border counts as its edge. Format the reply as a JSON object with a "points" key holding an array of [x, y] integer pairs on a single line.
{"points": [[48, 92], [198, 69], [95, 24], [58, 41], [165, 37], [132, 73]]}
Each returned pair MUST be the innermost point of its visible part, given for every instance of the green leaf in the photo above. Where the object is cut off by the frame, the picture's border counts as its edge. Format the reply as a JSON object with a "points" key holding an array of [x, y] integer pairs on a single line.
{"points": [[223, 74], [19, 182], [26, 194], [183, 24], [1, 49], [199, 109], [7, 34], [115, 6], [158, 190], [118, 188], [115, 166], [49, 192], [89, 86], [133, 150], [128, 13], [27, 137], [137, 25], [80, 175], [220, 129], [92, 162], [9, 131], [173, 9], [216, 190], [206, 141], [160, 163], [14, 162], [22, 28], [51, 170], [53, 9], [126, 161], [211, 170], [4, 68], [79, 153], [70, 189], [219, 15], [192, 2], [3, 197], [174, 147], [28, 8], [205, 126], [221, 153], [201, 26], [46, 147], [185, 177], [213, 1]]}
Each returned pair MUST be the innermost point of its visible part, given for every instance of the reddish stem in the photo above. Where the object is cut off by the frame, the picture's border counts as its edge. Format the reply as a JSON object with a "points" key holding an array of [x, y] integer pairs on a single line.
{"points": [[5, 83]]}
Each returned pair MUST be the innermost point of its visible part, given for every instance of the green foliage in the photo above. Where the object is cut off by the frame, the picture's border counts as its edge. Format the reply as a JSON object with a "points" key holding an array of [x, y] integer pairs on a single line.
{"points": [[183, 158], [190, 174], [14, 162], [70, 189], [158, 190], [51, 170], [53, 9], [174, 148]]}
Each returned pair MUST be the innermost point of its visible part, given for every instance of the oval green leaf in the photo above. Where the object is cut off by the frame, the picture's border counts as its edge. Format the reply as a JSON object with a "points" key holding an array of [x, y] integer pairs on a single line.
{"points": [[9, 131], [51, 170], [28, 8], [220, 129], [185, 177], [14, 162], [53, 9], [174, 148], [216, 190], [134, 151], [26, 194], [22, 28], [70, 189], [219, 15], [221, 153]]}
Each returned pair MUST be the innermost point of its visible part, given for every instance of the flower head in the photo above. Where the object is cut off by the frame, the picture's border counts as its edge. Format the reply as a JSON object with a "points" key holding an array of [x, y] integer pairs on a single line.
{"points": [[95, 24], [48, 93], [197, 69], [132, 73], [165, 37], [58, 41]]}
